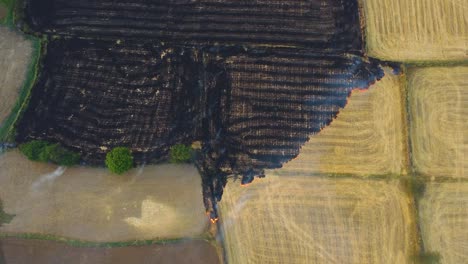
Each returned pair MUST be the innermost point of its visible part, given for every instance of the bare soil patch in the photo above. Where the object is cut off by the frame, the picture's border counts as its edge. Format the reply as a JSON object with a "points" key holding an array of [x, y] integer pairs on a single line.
{"points": [[15, 56], [23, 251], [293, 219], [91, 204]]}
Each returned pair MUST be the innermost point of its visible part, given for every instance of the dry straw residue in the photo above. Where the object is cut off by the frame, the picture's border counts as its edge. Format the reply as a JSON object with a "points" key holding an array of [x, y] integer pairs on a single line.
{"points": [[444, 220], [403, 30], [317, 220], [439, 120]]}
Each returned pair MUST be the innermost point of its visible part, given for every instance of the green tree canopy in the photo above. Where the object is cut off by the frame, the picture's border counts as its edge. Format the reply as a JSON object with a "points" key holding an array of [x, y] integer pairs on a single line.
{"points": [[180, 153], [33, 149], [40, 150], [119, 160]]}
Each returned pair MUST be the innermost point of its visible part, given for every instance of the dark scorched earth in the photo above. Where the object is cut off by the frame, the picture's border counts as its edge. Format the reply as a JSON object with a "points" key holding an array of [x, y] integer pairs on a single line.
{"points": [[251, 79]]}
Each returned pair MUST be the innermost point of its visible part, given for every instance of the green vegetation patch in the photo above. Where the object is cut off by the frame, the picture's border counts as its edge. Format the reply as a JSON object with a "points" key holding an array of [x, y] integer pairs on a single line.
{"points": [[83, 243], [414, 185], [181, 153], [427, 258], [40, 150], [119, 160], [9, 5], [4, 217]]}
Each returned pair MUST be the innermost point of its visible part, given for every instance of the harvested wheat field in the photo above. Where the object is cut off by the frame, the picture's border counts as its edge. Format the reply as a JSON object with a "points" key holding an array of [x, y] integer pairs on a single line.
{"points": [[367, 137], [317, 220], [444, 220], [15, 55], [402, 30], [439, 120], [25, 251], [88, 203]]}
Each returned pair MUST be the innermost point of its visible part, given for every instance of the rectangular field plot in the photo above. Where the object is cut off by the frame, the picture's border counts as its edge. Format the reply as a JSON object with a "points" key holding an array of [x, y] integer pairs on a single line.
{"points": [[92, 204], [438, 100], [317, 220], [15, 54], [305, 23], [366, 138], [444, 220], [403, 30]]}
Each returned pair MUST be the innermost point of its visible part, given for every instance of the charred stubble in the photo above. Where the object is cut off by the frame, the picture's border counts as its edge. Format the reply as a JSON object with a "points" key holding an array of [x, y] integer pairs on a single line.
{"points": [[251, 80]]}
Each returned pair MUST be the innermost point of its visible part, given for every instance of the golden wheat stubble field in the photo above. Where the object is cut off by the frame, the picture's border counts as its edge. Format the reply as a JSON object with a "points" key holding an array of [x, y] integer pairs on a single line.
{"points": [[367, 138], [15, 56], [444, 220], [416, 30], [162, 201], [296, 219], [438, 101]]}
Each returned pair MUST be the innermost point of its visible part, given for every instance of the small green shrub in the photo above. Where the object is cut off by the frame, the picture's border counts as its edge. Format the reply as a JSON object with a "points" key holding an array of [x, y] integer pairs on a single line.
{"points": [[4, 217], [119, 160], [180, 153], [39, 150], [414, 185], [33, 149], [61, 156], [428, 258]]}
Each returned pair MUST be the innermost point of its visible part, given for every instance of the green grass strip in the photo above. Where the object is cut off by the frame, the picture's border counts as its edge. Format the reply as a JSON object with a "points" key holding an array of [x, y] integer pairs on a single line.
{"points": [[7, 129], [84, 243], [9, 19]]}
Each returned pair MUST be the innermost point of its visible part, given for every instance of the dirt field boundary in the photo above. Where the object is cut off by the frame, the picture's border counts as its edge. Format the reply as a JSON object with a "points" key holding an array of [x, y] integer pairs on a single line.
{"points": [[85, 243], [7, 128]]}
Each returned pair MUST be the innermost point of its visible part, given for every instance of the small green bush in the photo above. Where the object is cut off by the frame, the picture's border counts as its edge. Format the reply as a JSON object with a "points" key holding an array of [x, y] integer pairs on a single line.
{"points": [[4, 217], [39, 150], [414, 185], [33, 149], [59, 155], [180, 153], [428, 258], [119, 160]]}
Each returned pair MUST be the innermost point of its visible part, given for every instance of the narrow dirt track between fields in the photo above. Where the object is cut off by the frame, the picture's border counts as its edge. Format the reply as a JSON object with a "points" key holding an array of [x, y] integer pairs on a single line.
{"points": [[24, 251]]}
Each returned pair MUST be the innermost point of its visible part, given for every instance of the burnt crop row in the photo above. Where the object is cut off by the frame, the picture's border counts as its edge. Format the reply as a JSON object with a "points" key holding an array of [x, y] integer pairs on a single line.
{"points": [[314, 23], [96, 95], [150, 74]]}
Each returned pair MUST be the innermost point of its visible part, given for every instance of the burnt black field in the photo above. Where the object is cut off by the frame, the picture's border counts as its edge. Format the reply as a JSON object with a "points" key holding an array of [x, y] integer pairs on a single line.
{"points": [[252, 80]]}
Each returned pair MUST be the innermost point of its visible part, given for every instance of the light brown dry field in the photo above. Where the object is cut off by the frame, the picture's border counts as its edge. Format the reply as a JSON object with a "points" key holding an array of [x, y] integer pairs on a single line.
{"points": [[416, 30], [295, 219], [91, 204], [15, 56], [444, 220], [438, 99], [367, 138]]}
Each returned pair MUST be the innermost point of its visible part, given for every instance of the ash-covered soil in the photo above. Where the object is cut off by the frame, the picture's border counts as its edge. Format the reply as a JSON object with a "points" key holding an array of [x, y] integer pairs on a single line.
{"points": [[251, 80]]}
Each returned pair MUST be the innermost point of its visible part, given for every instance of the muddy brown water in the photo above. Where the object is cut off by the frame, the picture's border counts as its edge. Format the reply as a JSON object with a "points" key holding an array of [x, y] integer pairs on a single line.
{"points": [[27, 251]]}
